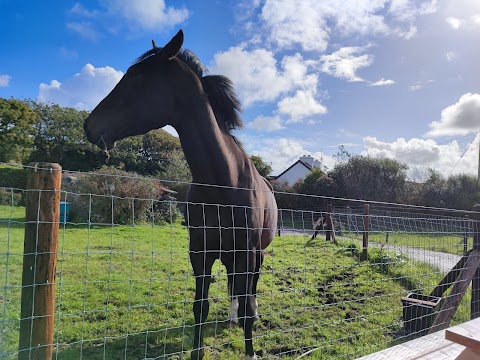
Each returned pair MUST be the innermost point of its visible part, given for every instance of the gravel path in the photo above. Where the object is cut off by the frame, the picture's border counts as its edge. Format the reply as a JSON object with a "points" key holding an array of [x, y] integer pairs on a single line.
{"points": [[443, 261]]}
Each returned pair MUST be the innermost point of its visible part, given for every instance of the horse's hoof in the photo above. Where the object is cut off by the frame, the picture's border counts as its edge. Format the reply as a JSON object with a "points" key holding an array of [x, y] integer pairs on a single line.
{"points": [[197, 354], [248, 357]]}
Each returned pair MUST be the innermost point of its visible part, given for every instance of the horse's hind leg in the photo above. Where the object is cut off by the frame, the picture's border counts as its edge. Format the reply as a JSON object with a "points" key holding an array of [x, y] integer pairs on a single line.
{"points": [[244, 266], [233, 316], [259, 256], [202, 268]]}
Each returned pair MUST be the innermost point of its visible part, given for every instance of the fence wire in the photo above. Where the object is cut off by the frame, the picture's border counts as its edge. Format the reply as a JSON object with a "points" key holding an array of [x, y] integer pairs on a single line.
{"points": [[125, 286]]}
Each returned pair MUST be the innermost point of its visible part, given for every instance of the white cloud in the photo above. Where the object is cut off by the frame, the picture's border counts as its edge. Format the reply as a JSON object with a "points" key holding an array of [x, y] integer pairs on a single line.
{"points": [[266, 123], [455, 23], [309, 23], [476, 19], [468, 23], [415, 87], [383, 82], [280, 153], [420, 153], [257, 75], [344, 62], [5, 80], [408, 10], [149, 15], [300, 106], [79, 9], [144, 15], [461, 118], [84, 29], [451, 56], [84, 90]]}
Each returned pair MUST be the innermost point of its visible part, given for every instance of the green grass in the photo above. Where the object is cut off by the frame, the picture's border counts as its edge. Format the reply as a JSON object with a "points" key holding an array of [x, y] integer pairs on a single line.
{"points": [[447, 243], [115, 283]]}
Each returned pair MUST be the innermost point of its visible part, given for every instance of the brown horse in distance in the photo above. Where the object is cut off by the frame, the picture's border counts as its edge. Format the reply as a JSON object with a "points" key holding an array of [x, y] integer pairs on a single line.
{"points": [[231, 211]]}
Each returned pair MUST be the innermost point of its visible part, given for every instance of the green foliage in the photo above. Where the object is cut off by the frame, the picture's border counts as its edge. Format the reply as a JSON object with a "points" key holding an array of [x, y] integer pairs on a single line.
{"points": [[17, 120], [370, 178], [120, 197], [156, 153], [457, 191], [383, 260], [13, 176], [59, 137], [262, 167]]}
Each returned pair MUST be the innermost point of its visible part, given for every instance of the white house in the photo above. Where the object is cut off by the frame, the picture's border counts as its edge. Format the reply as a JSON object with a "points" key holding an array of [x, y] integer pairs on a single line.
{"points": [[298, 170]]}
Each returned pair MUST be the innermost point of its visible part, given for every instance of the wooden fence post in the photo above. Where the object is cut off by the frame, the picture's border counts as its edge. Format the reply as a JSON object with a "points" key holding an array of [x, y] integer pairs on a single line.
{"points": [[366, 219], [475, 301], [39, 261]]}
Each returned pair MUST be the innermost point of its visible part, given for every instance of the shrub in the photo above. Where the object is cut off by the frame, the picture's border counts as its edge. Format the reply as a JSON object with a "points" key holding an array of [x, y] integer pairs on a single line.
{"points": [[14, 177], [112, 195]]}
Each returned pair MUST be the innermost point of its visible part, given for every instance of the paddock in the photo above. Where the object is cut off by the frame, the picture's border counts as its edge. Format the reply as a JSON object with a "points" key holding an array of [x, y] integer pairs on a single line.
{"points": [[124, 288]]}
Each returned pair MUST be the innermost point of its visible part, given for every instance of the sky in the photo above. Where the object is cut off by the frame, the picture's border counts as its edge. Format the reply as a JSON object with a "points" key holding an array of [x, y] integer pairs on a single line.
{"points": [[385, 78]]}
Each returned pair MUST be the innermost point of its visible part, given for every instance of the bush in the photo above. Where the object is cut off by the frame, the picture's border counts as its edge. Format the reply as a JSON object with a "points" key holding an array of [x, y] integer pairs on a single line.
{"points": [[6, 198], [11, 176], [114, 196], [383, 260]]}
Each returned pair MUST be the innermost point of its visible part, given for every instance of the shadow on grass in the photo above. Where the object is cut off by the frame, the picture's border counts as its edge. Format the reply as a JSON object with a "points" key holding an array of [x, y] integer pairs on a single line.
{"points": [[157, 344]]}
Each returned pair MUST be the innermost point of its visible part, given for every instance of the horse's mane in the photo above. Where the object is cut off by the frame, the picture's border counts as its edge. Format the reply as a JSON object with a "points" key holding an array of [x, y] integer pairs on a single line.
{"points": [[219, 89]]}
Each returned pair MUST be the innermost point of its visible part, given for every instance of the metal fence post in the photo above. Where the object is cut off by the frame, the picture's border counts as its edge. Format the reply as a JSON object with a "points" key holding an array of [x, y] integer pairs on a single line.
{"points": [[39, 261]]}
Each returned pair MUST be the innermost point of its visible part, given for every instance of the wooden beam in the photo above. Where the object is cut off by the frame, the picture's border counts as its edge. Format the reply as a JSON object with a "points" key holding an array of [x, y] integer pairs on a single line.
{"points": [[449, 279], [445, 315], [366, 221]]}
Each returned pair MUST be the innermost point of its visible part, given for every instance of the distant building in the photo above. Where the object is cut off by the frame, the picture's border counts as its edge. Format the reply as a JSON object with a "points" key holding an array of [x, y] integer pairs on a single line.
{"points": [[298, 170]]}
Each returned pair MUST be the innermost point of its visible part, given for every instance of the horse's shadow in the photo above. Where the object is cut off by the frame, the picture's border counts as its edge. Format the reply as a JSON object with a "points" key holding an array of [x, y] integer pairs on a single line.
{"points": [[156, 344]]}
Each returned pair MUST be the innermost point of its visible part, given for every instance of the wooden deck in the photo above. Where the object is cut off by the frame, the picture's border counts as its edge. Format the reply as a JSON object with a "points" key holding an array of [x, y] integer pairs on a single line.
{"points": [[465, 345]]}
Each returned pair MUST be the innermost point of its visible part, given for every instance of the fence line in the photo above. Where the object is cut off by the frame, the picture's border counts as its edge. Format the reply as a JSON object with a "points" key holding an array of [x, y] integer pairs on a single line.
{"points": [[125, 286]]}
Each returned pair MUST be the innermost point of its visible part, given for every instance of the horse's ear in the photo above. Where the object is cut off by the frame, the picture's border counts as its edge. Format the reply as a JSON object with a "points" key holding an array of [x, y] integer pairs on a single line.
{"points": [[154, 45], [173, 47]]}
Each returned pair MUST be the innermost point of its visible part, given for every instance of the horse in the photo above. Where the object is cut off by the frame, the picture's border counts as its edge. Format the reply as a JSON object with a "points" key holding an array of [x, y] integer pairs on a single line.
{"points": [[231, 212]]}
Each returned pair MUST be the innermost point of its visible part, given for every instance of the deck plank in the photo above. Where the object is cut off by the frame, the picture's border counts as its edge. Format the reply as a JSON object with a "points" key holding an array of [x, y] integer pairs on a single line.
{"points": [[466, 334]]}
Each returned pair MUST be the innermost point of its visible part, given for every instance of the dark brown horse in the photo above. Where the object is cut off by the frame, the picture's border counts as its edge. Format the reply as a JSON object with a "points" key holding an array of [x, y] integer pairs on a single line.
{"points": [[231, 211]]}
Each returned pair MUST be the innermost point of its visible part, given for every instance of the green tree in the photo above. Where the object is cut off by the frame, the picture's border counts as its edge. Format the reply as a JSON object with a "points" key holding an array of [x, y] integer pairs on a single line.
{"points": [[368, 178], [17, 120], [59, 137], [262, 167]]}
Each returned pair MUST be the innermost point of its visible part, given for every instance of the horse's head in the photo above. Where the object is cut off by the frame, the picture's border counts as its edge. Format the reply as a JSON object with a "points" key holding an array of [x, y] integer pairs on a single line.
{"points": [[149, 96]]}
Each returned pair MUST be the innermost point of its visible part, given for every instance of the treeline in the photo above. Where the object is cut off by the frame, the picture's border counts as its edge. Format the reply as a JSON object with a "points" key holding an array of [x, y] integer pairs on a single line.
{"points": [[31, 131], [379, 179]]}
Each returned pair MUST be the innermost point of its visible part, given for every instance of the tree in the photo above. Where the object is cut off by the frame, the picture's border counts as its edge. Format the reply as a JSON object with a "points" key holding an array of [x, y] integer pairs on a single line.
{"points": [[262, 167], [17, 120], [368, 178], [59, 137]]}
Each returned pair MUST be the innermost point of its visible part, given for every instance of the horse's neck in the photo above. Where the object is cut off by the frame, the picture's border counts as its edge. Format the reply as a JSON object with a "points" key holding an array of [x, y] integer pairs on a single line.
{"points": [[212, 155]]}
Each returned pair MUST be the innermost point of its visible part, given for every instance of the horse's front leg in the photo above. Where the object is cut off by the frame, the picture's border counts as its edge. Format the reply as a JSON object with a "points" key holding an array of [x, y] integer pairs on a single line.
{"points": [[202, 268]]}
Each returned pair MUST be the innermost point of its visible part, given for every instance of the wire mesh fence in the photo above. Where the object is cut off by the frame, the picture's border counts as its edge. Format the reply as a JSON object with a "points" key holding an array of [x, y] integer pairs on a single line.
{"points": [[125, 287]]}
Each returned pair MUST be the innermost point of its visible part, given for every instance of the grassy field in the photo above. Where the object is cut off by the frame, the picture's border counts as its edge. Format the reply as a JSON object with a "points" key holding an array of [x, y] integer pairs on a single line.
{"points": [[126, 292], [422, 236]]}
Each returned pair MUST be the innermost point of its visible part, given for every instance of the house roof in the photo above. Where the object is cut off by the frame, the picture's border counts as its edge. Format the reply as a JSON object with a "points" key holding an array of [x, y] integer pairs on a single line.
{"points": [[298, 161]]}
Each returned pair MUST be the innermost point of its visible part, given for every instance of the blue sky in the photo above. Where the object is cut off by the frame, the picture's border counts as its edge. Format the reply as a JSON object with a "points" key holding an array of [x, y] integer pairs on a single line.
{"points": [[395, 78]]}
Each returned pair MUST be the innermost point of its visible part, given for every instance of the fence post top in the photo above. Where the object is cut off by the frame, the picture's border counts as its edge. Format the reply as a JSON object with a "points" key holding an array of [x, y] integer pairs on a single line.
{"points": [[45, 166]]}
